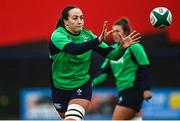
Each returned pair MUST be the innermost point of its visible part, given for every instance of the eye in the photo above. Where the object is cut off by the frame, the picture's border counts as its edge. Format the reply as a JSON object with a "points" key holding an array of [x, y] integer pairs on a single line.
{"points": [[115, 30], [82, 17], [75, 18]]}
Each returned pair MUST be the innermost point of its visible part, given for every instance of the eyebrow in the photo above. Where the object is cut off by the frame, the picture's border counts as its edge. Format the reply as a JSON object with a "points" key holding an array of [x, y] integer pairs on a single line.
{"points": [[76, 15]]}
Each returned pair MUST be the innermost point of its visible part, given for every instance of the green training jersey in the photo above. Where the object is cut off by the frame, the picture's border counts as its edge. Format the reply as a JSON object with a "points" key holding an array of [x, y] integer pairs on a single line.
{"points": [[71, 71], [124, 69]]}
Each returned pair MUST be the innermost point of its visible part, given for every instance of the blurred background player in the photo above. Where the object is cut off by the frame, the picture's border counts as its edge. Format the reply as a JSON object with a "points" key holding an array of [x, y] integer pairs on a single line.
{"points": [[132, 75], [70, 51]]}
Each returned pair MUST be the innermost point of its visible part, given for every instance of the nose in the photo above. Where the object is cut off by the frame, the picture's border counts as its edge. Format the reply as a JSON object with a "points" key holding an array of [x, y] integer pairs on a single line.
{"points": [[114, 33], [80, 20]]}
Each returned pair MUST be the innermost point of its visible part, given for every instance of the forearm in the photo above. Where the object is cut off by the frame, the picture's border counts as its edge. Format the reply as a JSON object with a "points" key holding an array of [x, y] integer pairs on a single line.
{"points": [[147, 85], [145, 76], [80, 48], [116, 53], [103, 73], [100, 79]]}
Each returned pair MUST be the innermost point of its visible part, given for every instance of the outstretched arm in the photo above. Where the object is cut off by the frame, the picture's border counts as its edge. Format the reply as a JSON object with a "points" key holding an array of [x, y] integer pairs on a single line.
{"points": [[108, 52], [85, 46], [60, 42], [81, 48], [115, 54]]}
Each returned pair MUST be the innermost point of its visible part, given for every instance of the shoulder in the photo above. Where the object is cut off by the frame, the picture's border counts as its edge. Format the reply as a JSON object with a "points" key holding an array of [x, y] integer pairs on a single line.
{"points": [[136, 46], [89, 32], [114, 45], [59, 31]]}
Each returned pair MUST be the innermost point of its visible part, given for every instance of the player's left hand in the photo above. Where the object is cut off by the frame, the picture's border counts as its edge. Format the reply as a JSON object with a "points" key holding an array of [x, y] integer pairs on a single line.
{"points": [[147, 95], [132, 38]]}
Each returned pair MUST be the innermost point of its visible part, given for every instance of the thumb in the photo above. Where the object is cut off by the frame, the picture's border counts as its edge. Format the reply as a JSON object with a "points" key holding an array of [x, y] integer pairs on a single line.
{"points": [[109, 32], [120, 35]]}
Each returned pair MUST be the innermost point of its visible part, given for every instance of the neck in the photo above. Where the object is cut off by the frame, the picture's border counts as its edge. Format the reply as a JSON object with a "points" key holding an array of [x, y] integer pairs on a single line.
{"points": [[72, 32]]}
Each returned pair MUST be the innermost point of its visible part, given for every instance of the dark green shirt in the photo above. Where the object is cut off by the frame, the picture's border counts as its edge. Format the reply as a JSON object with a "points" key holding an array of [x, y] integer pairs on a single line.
{"points": [[70, 71], [124, 69]]}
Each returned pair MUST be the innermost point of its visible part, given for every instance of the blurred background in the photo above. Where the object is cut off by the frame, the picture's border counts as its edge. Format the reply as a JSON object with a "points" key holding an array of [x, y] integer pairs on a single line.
{"points": [[26, 27]]}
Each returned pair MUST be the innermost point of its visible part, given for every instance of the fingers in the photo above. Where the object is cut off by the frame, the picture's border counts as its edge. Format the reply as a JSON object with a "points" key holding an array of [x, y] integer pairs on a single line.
{"points": [[148, 98], [147, 95], [136, 35], [120, 35], [135, 42], [132, 33], [103, 33], [105, 29], [105, 25], [137, 38], [109, 32]]}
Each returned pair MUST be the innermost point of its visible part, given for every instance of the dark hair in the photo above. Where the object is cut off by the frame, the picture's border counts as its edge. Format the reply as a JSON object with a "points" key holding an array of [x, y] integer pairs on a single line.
{"points": [[64, 16], [125, 25]]}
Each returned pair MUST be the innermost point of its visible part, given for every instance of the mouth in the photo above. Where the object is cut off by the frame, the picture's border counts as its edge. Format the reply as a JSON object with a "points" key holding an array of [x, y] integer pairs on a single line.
{"points": [[78, 26]]}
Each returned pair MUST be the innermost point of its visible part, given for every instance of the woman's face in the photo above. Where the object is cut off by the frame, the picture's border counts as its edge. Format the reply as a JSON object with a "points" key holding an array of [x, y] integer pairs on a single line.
{"points": [[75, 22], [116, 29]]}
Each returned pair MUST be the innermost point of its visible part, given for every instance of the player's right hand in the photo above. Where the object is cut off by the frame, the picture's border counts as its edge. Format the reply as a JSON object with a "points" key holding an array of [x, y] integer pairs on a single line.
{"points": [[147, 95], [104, 32]]}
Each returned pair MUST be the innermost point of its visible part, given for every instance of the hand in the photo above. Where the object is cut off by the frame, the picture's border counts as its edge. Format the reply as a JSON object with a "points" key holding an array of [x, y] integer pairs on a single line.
{"points": [[147, 95], [132, 38], [104, 32]]}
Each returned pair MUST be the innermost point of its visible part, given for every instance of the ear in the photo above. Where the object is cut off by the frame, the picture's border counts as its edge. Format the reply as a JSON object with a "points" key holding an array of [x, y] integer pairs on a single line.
{"points": [[65, 22]]}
